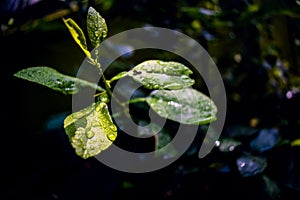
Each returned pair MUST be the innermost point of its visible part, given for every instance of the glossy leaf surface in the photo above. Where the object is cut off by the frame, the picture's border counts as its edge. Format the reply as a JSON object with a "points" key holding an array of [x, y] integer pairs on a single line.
{"points": [[187, 106], [90, 130], [96, 27], [156, 74], [53, 79]]}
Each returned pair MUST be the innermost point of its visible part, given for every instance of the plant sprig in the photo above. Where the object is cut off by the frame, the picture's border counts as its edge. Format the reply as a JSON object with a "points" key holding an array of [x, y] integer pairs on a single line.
{"points": [[91, 130]]}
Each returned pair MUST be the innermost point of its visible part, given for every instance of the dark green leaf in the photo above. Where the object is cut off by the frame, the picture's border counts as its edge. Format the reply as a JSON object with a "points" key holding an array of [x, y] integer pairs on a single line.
{"points": [[163, 146], [53, 79], [186, 106], [96, 27], [271, 188], [156, 74], [90, 130]]}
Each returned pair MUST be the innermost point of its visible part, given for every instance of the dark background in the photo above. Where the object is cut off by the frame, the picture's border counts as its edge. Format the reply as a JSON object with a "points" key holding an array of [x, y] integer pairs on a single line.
{"points": [[255, 45]]}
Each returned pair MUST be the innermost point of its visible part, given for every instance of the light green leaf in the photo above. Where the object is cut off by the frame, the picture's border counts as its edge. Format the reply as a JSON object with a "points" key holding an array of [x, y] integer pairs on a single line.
{"points": [[187, 106], [96, 27], [77, 35], [90, 130], [51, 78], [156, 74], [118, 76], [295, 142]]}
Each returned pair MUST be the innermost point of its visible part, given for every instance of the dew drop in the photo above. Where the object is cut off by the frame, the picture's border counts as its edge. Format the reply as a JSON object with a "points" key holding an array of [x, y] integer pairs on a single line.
{"points": [[90, 134], [174, 86], [113, 127], [111, 136], [58, 80], [155, 86]]}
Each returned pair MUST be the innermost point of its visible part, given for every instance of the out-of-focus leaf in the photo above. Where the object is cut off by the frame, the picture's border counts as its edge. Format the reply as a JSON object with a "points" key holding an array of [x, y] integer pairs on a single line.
{"points": [[96, 27], [221, 167], [162, 139], [266, 139], [271, 188], [77, 35], [148, 130], [90, 130], [156, 74], [51, 78], [240, 131], [187, 106], [251, 165], [295, 142], [227, 145], [127, 185]]}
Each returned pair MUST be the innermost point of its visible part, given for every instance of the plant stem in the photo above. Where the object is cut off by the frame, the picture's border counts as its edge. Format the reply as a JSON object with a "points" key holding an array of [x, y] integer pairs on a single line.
{"points": [[97, 64], [137, 100]]}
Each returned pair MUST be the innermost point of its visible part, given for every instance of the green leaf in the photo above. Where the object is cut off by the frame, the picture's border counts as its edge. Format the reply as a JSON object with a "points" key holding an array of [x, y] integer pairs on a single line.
{"points": [[163, 146], [51, 78], [96, 27], [187, 106], [77, 35], [118, 76], [295, 142], [156, 74], [90, 130]]}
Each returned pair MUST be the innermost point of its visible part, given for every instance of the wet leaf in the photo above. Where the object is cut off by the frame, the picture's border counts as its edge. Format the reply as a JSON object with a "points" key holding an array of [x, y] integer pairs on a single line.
{"points": [[251, 165], [187, 106], [266, 139], [156, 74], [51, 78], [77, 35], [96, 27], [90, 130]]}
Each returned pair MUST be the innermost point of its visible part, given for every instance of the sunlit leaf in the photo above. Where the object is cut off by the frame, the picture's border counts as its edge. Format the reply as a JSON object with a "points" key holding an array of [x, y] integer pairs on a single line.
{"points": [[77, 35], [295, 142], [96, 27], [156, 74], [51, 78], [186, 106], [90, 130]]}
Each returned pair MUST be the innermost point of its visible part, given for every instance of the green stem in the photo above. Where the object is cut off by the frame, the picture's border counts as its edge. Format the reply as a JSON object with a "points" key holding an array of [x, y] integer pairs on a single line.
{"points": [[137, 100], [118, 76], [96, 63]]}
